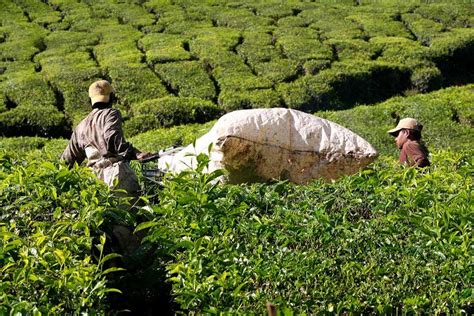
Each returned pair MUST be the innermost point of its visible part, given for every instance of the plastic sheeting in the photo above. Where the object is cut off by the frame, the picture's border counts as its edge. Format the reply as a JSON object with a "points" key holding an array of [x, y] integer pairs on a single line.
{"points": [[263, 144]]}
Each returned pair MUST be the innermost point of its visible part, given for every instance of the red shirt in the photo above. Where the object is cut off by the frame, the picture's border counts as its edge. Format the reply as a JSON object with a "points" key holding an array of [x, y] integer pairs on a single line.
{"points": [[414, 154]]}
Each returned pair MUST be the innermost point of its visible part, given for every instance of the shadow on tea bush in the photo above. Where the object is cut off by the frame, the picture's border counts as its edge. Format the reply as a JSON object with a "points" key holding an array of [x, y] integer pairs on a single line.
{"points": [[20, 145], [27, 88], [425, 79], [34, 121], [188, 78], [260, 98], [278, 70], [52, 249], [141, 123], [453, 52], [160, 47], [161, 138]]}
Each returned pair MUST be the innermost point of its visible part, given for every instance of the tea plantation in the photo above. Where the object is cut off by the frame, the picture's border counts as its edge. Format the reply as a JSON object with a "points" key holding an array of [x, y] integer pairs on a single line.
{"points": [[181, 61], [387, 240]]}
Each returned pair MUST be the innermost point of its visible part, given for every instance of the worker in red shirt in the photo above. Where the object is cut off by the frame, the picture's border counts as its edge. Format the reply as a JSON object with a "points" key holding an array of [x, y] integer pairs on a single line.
{"points": [[408, 139]]}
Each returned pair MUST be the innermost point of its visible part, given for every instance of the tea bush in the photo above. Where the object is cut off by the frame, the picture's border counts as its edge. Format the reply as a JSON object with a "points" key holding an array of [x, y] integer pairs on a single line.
{"points": [[31, 121], [110, 31], [353, 49], [52, 241], [30, 105], [216, 58], [75, 13], [295, 47], [426, 78], [22, 144], [23, 40], [39, 12], [33, 146], [7, 68], [70, 74], [211, 39], [377, 24], [11, 11], [61, 42], [292, 21], [332, 23], [240, 18], [116, 54], [3, 106], [297, 95], [452, 48], [229, 80], [343, 85], [243, 46], [276, 11], [163, 48], [424, 29], [118, 47], [188, 79], [136, 83], [169, 15], [254, 54], [399, 49], [387, 240], [169, 111], [354, 82], [25, 88], [132, 14], [452, 15]]}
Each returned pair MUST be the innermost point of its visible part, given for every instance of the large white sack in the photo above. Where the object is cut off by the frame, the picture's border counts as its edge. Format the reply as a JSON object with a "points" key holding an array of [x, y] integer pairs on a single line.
{"points": [[263, 144]]}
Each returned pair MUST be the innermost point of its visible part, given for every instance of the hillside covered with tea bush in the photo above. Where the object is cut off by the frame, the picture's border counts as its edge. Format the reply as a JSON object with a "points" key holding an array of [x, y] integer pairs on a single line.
{"points": [[181, 61], [388, 240]]}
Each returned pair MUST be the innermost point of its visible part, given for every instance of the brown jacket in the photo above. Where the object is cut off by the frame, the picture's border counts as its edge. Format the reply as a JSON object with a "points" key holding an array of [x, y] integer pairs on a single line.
{"points": [[101, 130], [414, 154]]}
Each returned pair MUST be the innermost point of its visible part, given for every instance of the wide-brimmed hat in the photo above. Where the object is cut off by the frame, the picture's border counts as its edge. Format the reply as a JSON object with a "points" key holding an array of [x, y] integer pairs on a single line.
{"points": [[100, 91], [406, 123]]}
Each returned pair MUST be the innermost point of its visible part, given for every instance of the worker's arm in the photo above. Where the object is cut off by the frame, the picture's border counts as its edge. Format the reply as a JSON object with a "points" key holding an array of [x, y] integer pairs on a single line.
{"points": [[73, 152]]}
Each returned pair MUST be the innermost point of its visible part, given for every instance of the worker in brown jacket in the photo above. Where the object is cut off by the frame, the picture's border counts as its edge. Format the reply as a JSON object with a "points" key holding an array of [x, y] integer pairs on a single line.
{"points": [[99, 139], [407, 135]]}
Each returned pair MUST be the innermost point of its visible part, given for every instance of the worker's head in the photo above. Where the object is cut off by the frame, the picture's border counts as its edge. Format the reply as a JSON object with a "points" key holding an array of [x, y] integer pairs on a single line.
{"points": [[406, 129], [100, 92]]}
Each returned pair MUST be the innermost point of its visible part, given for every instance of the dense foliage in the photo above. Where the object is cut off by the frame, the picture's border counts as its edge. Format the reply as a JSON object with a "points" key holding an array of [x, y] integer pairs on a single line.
{"points": [[228, 54], [52, 237], [388, 239]]}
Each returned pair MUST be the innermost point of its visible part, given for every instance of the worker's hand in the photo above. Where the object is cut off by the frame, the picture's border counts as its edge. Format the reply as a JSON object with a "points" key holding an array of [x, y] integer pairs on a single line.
{"points": [[142, 156]]}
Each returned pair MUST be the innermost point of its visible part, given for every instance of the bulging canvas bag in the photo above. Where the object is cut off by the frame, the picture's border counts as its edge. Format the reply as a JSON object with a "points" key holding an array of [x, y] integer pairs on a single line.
{"points": [[262, 144]]}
